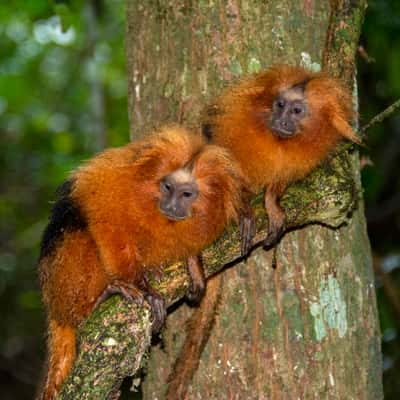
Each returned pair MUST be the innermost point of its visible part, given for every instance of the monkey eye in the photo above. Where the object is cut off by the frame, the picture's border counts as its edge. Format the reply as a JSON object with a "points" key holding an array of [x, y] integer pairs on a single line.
{"points": [[165, 187], [187, 194], [281, 103], [297, 110]]}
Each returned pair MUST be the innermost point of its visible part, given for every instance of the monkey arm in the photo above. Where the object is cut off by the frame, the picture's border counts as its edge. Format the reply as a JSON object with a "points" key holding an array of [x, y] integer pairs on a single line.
{"points": [[197, 284], [114, 339], [276, 218]]}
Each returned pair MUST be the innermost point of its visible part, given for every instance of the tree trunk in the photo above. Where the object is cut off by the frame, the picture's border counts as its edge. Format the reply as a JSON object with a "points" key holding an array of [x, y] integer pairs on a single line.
{"points": [[307, 329]]}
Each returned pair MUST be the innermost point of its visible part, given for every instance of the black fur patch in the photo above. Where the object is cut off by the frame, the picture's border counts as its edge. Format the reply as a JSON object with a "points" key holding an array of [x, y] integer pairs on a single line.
{"points": [[207, 128], [207, 131], [66, 216], [302, 85]]}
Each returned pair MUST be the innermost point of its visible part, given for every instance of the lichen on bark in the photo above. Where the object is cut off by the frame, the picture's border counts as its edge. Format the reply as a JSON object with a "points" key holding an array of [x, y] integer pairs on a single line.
{"points": [[112, 345]]}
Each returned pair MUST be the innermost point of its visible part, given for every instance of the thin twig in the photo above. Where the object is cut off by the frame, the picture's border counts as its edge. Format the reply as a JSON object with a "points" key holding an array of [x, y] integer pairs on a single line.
{"points": [[364, 55], [381, 116]]}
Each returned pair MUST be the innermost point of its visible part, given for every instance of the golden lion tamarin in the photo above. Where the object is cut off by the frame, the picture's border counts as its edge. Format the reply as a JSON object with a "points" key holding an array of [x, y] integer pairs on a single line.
{"points": [[119, 218], [279, 125]]}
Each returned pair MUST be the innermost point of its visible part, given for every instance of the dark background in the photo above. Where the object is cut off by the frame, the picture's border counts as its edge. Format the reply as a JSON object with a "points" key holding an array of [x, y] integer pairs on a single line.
{"points": [[63, 98]]}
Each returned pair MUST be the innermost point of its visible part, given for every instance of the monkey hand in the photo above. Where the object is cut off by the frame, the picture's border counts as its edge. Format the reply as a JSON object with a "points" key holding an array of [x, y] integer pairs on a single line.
{"points": [[275, 232], [128, 291], [158, 309], [197, 285], [247, 231], [195, 291]]}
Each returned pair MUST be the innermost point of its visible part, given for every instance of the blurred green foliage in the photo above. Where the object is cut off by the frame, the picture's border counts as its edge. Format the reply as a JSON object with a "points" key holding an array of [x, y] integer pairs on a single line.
{"points": [[379, 87], [63, 97]]}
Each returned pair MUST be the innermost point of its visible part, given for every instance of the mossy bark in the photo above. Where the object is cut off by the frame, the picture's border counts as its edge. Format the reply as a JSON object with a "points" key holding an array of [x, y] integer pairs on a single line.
{"points": [[308, 328]]}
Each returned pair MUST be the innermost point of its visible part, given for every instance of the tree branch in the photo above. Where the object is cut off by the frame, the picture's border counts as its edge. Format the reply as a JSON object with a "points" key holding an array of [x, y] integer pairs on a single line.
{"points": [[381, 116], [115, 337]]}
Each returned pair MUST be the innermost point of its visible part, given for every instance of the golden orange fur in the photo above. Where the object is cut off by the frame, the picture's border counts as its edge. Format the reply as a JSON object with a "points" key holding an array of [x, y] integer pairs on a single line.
{"points": [[265, 158], [237, 121], [115, 230]]}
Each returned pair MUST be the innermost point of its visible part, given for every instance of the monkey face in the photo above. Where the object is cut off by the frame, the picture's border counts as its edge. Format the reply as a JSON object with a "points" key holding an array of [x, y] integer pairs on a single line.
{"points": [[178, 191], [288, 110]]}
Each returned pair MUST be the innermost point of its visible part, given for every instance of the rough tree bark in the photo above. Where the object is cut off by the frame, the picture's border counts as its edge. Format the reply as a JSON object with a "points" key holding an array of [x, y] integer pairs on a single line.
{"points": [[305, 330]]}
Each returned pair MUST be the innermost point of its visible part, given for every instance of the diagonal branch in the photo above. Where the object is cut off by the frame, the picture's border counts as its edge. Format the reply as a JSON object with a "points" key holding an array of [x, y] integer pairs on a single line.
{"points": [[381, 116]]}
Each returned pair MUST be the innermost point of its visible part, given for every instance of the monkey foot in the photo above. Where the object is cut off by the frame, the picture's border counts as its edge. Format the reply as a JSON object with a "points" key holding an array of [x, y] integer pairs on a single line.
{"points": [[274, 235], [158, 310], [136, 295], [157, 304], [129, 291], [247, 232]]}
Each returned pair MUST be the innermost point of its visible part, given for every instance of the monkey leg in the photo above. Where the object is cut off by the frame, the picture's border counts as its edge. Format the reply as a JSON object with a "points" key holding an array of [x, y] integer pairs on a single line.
{"points": [[276, 219], [61, 355], [197, 284], [137, 294]]}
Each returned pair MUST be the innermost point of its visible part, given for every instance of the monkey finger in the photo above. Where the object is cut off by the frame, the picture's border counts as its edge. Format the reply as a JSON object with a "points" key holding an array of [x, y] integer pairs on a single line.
{"points": [[155, 274], [158, 310], [128, 291], [158, 273]]}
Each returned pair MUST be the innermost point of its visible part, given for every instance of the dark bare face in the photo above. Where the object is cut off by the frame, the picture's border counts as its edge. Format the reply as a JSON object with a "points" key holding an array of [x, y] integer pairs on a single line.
{"points": [[178, 191], [288, 109]]}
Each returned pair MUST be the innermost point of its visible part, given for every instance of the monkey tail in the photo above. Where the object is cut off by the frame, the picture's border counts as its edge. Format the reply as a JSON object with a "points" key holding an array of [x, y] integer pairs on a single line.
{"points": [[197, 333], [61, 355]]}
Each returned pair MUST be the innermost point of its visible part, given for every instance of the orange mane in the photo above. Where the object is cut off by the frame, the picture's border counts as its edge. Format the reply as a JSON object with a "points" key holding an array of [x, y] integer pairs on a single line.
{"points": [[267, 160]]}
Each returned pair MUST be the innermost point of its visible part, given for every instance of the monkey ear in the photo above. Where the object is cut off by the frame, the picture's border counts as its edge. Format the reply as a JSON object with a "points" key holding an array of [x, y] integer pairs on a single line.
{"points": [[344, 128]]}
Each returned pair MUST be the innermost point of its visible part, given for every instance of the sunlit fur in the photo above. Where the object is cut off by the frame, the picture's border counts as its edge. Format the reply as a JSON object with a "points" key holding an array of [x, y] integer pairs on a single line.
{"points": [[126, 236], [238, 123]]}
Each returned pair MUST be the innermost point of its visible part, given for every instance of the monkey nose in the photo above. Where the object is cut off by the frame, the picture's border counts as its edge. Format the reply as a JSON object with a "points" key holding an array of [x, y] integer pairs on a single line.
{"points": [[170, 208]]}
